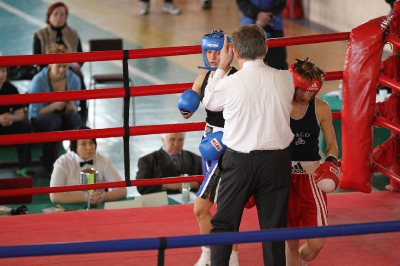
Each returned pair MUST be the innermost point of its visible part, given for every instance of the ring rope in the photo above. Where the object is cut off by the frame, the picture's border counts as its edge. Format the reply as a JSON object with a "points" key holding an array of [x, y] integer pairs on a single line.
{"points": [[44, 59], [125, 94], [99, 133], [117, 92], [389, 82], [160, 89], [276, 235], [140, 182], [198, 240], [386, 172], [380, 121]]}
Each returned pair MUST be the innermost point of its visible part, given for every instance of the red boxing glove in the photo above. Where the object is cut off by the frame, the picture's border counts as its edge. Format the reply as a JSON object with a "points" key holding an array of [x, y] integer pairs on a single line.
{"points": [[327, 176], [251, 203]]}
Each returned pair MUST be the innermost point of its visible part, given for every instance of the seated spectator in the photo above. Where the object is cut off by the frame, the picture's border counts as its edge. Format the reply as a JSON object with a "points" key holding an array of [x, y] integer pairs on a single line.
{"points": [[169, 161], [57, 31], [12, 121], [53, 116], [67, 170]]}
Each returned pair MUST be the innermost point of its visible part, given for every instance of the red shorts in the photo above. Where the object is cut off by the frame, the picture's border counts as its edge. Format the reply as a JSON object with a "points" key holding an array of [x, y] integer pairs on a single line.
{"points": [[307, 203]]}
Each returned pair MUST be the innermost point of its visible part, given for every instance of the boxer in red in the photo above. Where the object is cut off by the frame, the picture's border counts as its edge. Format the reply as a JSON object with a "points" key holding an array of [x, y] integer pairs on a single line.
{"points": [[310, 179]]}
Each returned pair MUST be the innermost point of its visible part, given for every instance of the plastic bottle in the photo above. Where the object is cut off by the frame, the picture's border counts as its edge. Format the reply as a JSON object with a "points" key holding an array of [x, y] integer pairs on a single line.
{"points": [[186, 193], [340, 89]]}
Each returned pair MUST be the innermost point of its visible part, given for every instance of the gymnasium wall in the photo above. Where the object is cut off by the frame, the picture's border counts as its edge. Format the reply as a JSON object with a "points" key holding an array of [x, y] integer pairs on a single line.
{"points": [[343, 15]]}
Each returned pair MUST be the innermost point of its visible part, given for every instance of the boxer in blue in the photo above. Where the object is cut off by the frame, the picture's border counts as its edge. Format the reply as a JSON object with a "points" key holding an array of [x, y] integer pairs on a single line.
{"points": [[211, 45]]}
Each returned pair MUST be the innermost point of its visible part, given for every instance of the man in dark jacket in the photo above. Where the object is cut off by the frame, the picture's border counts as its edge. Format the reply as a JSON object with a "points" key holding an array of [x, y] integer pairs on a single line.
{"points": [[169, 161], [268, 15]]}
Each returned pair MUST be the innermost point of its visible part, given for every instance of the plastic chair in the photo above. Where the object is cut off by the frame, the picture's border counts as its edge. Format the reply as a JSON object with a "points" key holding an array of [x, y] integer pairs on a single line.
{"points": [[14, 183], [105, 78]]}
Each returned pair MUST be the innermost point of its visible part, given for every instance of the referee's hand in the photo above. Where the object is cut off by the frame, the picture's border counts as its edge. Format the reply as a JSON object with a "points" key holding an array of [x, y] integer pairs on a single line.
{"points": [[225, 54]]}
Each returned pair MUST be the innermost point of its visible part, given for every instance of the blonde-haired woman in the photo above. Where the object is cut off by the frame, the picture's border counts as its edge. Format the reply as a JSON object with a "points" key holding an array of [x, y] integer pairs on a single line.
{"points": [[53, 116]]}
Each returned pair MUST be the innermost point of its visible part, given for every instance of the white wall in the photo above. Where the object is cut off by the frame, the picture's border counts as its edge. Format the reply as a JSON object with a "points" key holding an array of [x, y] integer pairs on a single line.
{"points": [[344, 15]]}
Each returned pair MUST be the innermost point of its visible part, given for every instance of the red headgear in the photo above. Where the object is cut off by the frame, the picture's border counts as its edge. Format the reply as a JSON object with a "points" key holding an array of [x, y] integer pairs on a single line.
{"points": [[304, 84]]}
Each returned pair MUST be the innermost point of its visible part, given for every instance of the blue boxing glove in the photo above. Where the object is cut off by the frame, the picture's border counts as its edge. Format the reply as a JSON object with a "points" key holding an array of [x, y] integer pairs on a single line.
{"points": [[188, 103], [211, 147]]}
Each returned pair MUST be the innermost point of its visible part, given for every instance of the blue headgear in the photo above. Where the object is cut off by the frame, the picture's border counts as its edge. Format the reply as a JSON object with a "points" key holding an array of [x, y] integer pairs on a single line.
{"points": [[212, 41]]}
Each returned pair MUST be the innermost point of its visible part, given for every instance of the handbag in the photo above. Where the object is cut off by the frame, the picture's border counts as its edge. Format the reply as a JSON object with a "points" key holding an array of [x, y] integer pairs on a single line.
{"points": [[22, 72]]}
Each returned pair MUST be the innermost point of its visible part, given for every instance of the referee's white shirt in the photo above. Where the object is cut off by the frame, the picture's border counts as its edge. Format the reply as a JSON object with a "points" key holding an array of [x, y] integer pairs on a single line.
{"points": [[256, 103]]}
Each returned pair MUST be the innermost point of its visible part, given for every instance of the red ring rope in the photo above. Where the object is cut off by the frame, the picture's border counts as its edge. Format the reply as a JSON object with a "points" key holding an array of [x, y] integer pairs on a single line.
{"points": [[143, 90]]}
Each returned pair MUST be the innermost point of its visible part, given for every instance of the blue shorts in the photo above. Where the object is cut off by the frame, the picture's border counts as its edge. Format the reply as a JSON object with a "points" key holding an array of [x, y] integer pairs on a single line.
{"points": [[212, 175], [211, 171]]}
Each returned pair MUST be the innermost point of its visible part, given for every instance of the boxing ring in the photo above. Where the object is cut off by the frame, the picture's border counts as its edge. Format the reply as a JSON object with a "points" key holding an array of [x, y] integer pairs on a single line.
{"points": [[363, 73]]}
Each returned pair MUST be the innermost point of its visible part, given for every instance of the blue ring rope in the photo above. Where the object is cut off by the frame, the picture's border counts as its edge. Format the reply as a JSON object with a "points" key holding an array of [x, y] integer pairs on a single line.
{"points": [[198, 240]]}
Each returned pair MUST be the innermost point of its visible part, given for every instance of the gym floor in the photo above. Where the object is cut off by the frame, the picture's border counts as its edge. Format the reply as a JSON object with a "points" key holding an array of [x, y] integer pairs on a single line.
{"points": [[96, 19]]}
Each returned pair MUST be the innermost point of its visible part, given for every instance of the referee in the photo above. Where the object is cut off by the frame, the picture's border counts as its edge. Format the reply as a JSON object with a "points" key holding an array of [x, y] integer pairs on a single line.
{"points": [[256, 103]]}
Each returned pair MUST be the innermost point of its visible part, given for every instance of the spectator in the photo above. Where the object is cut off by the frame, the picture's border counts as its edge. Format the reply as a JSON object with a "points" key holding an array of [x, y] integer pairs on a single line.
{"points": [[53, 116], [67, 170], [256, 102], [168, 6], [307, 202], [268, 15], [12, 121], [57, 31], [171, 160]]}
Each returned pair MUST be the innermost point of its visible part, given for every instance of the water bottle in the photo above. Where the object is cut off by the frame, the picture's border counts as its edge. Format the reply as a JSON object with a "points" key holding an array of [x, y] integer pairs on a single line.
{"points": [[186, 193], [340, 89]]}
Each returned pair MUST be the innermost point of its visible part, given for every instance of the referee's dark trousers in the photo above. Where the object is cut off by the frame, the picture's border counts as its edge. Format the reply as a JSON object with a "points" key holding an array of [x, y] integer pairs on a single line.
{"points": [[266, 174]]}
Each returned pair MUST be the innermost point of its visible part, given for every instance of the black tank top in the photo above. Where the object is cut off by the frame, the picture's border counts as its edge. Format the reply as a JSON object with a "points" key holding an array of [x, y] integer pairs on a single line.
{"points": [[214, 118], [305, 145]]}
